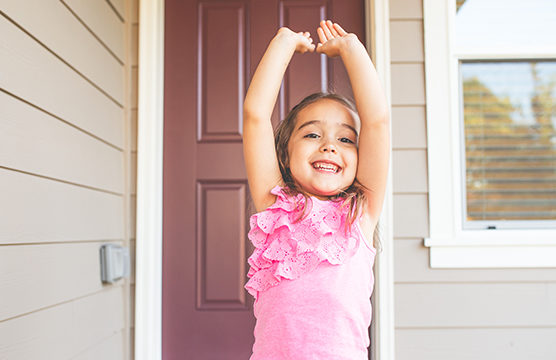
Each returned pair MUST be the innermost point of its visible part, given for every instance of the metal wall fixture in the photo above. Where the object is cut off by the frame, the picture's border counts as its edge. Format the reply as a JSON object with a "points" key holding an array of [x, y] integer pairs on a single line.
{"points": [[114, 262]]}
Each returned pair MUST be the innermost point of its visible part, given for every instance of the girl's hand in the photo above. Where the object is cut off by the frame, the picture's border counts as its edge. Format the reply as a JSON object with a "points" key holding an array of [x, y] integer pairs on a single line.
{"points": [[301, 40], [332, 38]]}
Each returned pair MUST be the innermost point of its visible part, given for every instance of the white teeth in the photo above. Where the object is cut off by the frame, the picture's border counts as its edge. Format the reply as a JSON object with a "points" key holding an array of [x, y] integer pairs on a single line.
{"points": [[326, 167]]}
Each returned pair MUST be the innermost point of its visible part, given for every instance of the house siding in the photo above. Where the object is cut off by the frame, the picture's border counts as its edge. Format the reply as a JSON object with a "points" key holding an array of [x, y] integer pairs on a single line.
{"points": [[68, 114], [479, 314]]}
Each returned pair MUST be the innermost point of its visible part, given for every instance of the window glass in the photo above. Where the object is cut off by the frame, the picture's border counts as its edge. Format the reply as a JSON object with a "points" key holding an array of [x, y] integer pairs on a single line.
{"points": [[509, 111]]}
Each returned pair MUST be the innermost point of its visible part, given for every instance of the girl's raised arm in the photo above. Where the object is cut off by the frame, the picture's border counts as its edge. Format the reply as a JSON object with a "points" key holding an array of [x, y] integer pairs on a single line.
{"points": [[263, 172], [374, 138]]}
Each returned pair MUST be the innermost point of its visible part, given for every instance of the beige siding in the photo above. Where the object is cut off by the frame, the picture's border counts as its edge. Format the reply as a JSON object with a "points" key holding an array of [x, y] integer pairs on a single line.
{"points": [[68, 150], [37, 276], [108, 349], [456, 314], [99, 15], [61, 30], [65, 330], [32, 73], [28, 146], [118, 6], [476, 343]]}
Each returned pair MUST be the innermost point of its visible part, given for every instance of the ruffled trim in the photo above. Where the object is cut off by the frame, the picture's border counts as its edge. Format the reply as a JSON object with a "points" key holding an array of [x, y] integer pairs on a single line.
{"points": [[286, 249]]}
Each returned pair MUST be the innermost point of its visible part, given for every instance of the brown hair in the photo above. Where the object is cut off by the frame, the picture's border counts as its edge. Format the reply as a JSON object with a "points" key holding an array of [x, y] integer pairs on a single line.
{"points": [[354, 196]]}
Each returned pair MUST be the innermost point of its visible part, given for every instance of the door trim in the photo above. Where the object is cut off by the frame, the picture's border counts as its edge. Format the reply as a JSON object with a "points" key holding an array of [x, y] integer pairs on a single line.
{"points": [[148, 268], [150, 122]]}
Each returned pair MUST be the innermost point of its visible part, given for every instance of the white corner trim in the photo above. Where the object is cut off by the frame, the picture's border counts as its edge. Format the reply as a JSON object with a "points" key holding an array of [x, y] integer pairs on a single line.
{"points": [[377, 15], [148, 269]]}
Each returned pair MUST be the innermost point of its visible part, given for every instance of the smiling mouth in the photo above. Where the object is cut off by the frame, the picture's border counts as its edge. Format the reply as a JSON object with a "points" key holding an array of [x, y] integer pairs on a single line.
{"points": [[326, 167]]}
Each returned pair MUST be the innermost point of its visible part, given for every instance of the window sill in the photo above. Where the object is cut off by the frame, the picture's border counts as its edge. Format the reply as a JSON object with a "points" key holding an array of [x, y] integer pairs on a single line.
{"points": [[494, 249]]}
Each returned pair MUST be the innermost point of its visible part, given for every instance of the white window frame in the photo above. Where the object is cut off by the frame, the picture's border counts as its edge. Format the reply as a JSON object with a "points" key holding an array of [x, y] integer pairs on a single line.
{"points": [[450, 245]]}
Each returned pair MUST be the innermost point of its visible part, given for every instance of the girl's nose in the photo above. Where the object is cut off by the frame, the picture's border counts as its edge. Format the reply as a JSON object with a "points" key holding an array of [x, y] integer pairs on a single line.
{"points": [[328, 147]]}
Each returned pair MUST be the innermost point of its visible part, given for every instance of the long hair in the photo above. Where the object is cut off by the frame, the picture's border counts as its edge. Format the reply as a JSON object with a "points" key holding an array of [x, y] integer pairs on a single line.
{"points": [[354, 196]]}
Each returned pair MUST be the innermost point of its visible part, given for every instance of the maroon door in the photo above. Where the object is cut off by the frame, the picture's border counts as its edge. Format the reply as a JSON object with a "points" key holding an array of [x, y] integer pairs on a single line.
{"points": [[211, 51]]}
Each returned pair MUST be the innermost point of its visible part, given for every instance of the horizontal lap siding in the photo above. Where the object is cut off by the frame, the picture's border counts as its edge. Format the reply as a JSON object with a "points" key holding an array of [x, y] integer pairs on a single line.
{"points": [[479, 314], [476, 343], [63, 30], [33, 74], [75, 157], [37, 209], [108, 349], [39, 276], [68, 151], [65, 330], [97, 15]]}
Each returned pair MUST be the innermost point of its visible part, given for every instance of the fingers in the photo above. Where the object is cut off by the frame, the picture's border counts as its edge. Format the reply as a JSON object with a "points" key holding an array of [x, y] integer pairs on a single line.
{"points": [[326, 30], [308, 37], [310, 47], [322, 36], [331, 28], [305, 43], [341, 31]]}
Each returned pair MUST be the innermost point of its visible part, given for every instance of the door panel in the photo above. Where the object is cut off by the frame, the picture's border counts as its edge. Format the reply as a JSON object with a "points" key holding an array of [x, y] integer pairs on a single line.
{"points": [[211, 51]]}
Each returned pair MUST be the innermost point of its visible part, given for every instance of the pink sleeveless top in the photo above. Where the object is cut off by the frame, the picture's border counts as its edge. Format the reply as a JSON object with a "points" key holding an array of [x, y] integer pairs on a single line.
{"points": [[312, 282]]}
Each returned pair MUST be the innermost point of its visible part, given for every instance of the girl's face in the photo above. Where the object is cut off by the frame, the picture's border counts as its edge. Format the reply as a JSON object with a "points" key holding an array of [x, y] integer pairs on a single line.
{"points": [[323, 148]]}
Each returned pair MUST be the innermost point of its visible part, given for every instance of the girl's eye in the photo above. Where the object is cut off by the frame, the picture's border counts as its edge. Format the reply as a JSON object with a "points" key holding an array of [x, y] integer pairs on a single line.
{"points": [[346, 140], [311, 135]]}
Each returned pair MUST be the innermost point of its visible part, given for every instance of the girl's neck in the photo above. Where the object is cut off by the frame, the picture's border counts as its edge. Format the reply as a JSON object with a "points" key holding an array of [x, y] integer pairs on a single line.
{"points": [[308, 194], [320, 197]]}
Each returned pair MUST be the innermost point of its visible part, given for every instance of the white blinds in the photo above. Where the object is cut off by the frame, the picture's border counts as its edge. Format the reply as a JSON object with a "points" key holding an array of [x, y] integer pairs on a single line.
{"points": [[509, 114]]}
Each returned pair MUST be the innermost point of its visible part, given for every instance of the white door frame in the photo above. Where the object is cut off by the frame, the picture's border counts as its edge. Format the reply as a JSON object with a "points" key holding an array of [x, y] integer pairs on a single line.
{"points": [[148, 261], [150, 122], [377, 27]]}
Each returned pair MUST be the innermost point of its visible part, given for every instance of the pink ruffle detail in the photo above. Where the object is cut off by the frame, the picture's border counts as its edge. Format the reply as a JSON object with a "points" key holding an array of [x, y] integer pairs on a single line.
{"points": [[285, 249]]}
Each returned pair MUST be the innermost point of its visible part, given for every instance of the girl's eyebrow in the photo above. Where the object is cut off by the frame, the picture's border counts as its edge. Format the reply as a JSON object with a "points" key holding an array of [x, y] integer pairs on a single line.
{"points": [[351, 128], [311, 122], [308, 123]]}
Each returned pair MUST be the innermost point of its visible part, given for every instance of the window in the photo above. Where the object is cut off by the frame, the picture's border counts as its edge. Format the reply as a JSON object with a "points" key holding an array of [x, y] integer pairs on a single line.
{"points": [[509, 115], [491, 121]]}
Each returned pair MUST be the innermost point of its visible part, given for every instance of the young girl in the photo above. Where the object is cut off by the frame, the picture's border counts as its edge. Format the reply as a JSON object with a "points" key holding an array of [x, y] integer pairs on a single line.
{"points": [[318, 186]]}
